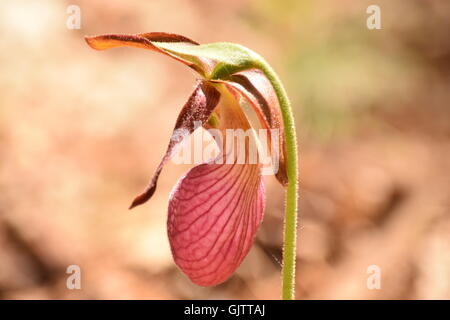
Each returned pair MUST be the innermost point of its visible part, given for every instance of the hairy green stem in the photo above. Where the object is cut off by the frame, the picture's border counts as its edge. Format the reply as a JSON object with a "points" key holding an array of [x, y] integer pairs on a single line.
{"points": [[290, 218]]}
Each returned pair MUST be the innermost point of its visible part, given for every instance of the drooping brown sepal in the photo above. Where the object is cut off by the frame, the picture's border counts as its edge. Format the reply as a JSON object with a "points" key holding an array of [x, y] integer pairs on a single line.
{"points": [[197, 110]]}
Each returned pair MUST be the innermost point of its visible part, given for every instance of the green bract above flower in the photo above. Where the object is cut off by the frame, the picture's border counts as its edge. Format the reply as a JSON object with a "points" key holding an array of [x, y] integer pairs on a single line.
{"points": [[216, 208]]}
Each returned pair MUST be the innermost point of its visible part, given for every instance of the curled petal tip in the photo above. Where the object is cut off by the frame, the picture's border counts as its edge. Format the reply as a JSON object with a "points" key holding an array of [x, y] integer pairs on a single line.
{"points": [[93, 42], [142, 198], [88, 40]]}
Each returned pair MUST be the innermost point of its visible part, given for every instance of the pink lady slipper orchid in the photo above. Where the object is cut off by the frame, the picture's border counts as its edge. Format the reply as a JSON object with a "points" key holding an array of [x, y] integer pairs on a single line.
{"points": [[216, 208]]}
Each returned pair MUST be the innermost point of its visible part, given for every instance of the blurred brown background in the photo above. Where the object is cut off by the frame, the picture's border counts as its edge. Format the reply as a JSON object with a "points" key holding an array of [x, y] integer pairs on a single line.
{"points": [[81, 132]]}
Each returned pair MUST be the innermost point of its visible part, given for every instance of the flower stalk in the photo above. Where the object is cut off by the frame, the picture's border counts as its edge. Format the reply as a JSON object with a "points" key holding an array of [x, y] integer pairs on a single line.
{"points": [[290, 216]]}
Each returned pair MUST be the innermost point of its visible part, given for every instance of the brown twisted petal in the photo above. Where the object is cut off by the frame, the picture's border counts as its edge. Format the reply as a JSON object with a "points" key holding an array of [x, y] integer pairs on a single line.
{"points": [[254, 86], [150, 41], [197, 109]]}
